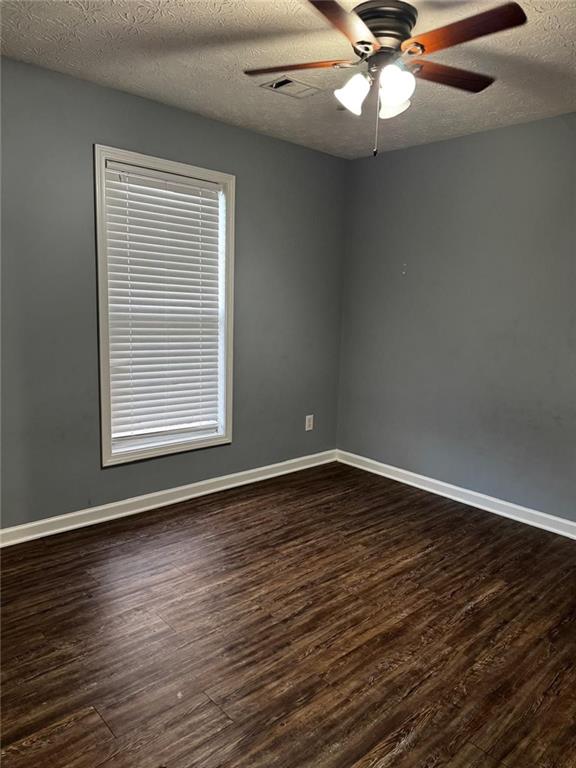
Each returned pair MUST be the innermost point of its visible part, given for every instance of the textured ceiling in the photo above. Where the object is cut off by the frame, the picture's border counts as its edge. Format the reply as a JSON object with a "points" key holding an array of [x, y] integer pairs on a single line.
{"points": [[191, 53]]}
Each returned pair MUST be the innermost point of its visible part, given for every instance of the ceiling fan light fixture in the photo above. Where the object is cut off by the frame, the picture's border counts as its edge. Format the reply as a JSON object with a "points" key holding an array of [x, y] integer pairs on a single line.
{"points": [[396, 86], [387, 111], [353, 93]]}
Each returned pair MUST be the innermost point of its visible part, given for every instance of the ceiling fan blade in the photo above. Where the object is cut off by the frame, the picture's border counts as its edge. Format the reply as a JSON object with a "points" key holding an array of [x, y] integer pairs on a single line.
{"points": [[456, 78], [350, 24], [504, 17], [292, 67]]}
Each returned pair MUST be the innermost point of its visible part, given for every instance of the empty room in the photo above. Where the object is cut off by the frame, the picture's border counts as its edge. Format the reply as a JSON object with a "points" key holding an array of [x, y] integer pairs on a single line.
{"points": [[288, 384]]}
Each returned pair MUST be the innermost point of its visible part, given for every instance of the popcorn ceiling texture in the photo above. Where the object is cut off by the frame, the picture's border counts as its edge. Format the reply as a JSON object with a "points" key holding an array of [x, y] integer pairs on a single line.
{"points": [[191, 53]]}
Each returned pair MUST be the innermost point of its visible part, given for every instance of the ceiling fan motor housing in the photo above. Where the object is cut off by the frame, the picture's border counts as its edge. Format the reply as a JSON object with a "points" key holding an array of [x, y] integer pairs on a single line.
{"points": [[390, 21]]}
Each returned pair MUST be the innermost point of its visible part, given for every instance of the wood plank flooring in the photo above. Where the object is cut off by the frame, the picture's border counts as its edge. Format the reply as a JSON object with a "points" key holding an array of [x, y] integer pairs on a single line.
{"points": [[325, 619]]}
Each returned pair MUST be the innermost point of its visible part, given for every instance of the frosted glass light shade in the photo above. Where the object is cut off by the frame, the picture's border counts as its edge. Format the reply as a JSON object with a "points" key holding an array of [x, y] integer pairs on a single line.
{"points": [[396, 85], [387, 111], [353, 93]]}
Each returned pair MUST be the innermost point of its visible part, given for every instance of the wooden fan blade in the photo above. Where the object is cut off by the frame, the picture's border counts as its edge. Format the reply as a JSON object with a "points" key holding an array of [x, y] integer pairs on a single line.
{"points": [[350, 24], [456, 78], [292, 67], [496, 20]]}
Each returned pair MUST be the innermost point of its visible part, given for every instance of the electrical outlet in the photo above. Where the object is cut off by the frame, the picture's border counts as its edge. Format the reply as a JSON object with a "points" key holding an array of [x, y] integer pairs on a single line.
{"points": [[309, 422]]}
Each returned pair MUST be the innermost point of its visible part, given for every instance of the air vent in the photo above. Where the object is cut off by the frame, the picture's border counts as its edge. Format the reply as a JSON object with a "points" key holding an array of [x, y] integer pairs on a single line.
{"points": [[290, 87]]}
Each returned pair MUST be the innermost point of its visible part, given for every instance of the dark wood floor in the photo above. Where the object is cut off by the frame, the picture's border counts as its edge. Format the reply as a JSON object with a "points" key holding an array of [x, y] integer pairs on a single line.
{"points": [[326, 619]]}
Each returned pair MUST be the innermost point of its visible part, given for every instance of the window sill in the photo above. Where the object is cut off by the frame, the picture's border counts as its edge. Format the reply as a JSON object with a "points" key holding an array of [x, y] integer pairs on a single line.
{"points": [[126, 457]]}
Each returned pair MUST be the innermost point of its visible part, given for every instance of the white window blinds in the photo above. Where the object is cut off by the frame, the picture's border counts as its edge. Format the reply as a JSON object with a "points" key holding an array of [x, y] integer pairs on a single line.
{"points": [[166, 268]]}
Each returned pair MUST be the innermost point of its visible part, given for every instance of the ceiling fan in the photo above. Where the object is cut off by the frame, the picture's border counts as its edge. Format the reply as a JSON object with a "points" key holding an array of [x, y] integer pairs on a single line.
{"points": [[381, 35]]}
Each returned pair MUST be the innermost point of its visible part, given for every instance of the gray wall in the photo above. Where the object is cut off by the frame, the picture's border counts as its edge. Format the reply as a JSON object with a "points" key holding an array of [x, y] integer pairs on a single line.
{"points": [[458, 355], [288, 243]]}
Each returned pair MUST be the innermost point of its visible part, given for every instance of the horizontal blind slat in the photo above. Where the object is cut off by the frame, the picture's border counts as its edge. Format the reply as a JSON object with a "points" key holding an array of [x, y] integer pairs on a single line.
{"points": [[150, 214], [162, 436], [123, 401], [177, 421], [155, 176], [148, 223], [161, 282], [168, 190], [168, 231], [141, 371], [171, 187], [136, 200], [199, 246], [161, 292], [155, 383], [164, 412], [166, 267], [133, 236], [122, 314]]}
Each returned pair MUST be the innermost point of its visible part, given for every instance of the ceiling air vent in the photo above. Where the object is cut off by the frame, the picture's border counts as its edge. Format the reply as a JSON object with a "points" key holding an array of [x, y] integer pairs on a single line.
{"points": [[290, 87]]}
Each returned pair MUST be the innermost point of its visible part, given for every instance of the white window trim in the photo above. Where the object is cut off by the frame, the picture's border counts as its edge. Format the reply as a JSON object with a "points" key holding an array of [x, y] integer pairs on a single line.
{"points": [[227, 181]]}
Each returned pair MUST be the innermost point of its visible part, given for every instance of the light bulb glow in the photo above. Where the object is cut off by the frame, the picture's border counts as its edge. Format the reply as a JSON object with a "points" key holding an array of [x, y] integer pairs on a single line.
{"points": [[396, 86], [353, 93], [391, 110]]}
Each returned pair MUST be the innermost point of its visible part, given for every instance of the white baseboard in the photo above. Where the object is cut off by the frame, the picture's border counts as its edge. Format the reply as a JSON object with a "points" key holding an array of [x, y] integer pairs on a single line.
{"points": [[137, 504], [19, 533], [474, 499]]}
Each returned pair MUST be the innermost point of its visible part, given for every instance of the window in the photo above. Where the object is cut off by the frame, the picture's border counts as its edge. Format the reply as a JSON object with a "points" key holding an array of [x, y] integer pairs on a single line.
{"points": [[165, 258]]}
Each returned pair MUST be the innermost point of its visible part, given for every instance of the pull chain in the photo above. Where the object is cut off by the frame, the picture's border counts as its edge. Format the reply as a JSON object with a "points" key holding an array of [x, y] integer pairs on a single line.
{"points": [[375, 150]]}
